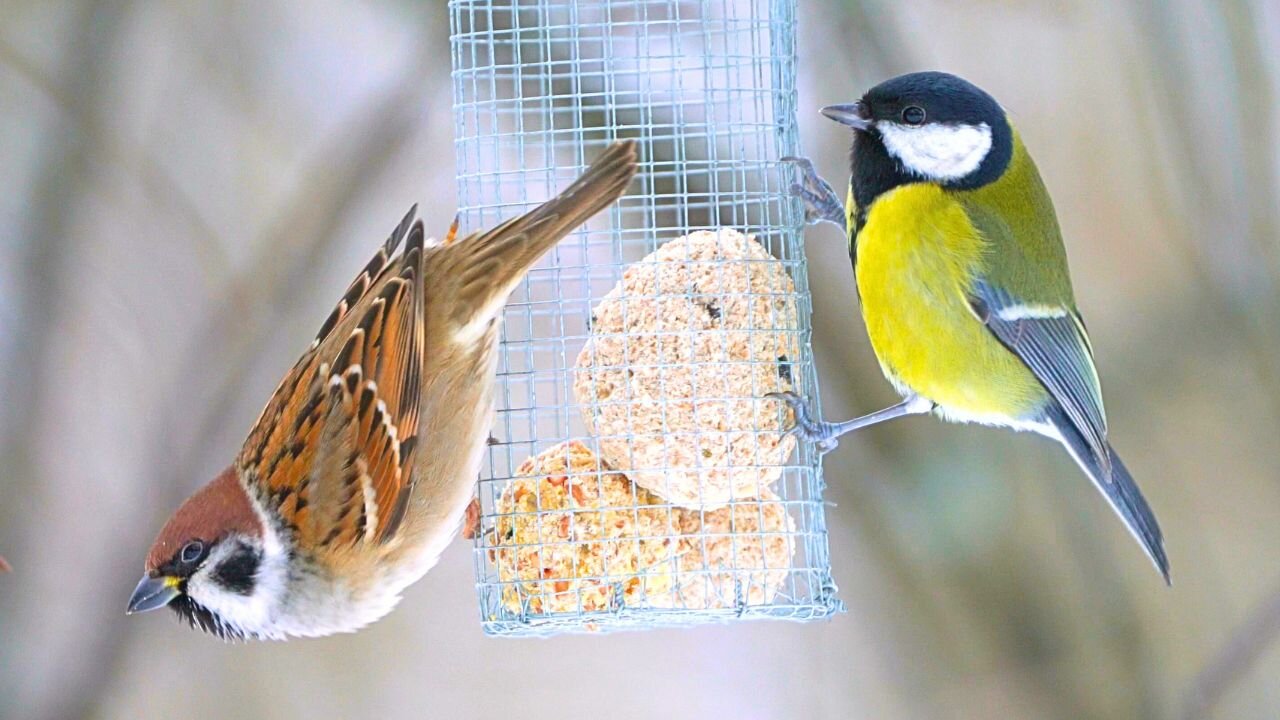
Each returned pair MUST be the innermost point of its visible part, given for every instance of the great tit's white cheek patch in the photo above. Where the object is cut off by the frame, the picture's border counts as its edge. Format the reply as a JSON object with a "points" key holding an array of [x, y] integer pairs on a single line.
{"points": [[937, 151]]}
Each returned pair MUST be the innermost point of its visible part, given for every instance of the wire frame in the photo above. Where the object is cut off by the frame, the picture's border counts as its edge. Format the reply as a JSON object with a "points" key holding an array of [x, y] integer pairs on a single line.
{"points": [[707, 88]]}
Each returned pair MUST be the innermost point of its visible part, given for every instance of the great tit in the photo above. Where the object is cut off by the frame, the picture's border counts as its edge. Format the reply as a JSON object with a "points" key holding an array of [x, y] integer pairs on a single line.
{"points": [[963, 279]]}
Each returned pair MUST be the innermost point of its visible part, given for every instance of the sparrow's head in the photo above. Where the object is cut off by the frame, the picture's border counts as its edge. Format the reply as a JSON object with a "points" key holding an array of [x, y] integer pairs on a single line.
{"points": [[927, 126], [210, 564]]}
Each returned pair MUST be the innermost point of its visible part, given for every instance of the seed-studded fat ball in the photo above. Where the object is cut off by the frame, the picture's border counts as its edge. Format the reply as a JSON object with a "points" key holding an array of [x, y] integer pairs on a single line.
{"points": [[682, 352]]}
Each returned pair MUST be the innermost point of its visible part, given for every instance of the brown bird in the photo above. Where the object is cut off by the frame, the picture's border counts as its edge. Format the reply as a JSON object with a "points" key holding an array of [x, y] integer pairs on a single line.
{"points": [[360, 469]]}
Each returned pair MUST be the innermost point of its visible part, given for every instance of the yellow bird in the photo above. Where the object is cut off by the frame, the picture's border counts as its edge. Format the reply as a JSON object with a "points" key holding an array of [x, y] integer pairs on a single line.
{"points": [[963, 279]]}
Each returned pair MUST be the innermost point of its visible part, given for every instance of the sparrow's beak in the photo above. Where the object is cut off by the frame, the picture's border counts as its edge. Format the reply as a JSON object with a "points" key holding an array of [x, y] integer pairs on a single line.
{"points": [[855, 115], [153, 593]]}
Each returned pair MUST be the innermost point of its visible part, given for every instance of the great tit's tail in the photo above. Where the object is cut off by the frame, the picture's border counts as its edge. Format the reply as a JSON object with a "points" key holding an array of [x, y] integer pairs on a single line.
{"points": [[1119, 488]]}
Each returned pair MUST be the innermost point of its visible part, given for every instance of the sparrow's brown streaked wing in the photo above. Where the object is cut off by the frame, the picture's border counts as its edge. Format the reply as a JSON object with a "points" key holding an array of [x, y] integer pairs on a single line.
{"points": [[333, 450]]}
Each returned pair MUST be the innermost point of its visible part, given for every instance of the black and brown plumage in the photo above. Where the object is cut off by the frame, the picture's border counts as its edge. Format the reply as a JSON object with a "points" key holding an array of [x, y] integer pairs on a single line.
{"points": [[362, 464], [333, 450]]}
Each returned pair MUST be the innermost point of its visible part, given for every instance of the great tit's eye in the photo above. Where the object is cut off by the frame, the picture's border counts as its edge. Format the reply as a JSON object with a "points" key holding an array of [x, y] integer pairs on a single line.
{"points": [[913, 115], [192, 552]]}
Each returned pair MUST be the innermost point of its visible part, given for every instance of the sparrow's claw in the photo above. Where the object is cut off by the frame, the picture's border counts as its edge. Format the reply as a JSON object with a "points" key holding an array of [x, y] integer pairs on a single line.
{"points": [[471, 521], [820, 200], [823, 435]]}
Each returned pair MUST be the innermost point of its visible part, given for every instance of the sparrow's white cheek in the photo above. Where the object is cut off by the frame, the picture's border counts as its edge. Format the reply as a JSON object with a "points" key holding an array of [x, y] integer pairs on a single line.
{"points": [[251, 614], [937, 151]]}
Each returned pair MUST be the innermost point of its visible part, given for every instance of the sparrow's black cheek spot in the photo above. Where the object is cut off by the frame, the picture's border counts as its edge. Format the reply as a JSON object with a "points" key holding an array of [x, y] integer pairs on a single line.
{"points": [[238, 572]]}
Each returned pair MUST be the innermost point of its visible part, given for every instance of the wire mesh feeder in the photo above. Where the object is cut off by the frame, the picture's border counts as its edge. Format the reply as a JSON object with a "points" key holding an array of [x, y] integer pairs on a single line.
{"points": [[638, 477]]}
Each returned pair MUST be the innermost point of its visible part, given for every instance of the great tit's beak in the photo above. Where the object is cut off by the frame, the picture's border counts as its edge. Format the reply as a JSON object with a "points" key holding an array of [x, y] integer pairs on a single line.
{"points": [[153, 593], [855, 115]]}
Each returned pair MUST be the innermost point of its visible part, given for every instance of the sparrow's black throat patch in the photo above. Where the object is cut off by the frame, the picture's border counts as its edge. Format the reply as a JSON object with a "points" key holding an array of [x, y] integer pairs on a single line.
{"points": [[202, 618]]}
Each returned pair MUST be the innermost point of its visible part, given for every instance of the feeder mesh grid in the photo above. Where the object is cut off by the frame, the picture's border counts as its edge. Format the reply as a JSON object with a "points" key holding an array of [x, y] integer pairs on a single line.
{"points": [[707, 88]]}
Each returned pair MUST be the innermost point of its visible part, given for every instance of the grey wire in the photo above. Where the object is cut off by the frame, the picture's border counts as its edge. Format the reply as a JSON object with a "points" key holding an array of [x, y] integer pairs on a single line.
{"points": [[708, 89]]}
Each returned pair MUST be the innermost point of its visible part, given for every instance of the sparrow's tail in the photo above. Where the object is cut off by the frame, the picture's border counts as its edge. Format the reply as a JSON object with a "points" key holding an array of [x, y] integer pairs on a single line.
{"points": [[479, 271], [1120, 490]]}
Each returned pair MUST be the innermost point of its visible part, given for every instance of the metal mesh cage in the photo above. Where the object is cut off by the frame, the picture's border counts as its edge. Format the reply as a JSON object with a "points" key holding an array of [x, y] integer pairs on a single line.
{"points": [[679, 501]]}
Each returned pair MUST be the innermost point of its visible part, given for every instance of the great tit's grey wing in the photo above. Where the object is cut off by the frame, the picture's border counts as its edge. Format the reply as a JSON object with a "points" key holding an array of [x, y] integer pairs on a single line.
{"points": [[1051, 341]]}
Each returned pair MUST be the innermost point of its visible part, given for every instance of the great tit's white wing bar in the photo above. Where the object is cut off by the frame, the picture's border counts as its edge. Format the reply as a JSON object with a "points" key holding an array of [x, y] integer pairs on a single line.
{"points": [[1051, 340]]}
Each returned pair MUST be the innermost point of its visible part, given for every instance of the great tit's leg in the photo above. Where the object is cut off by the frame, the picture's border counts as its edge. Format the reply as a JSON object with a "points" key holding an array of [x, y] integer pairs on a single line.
{"points": [[820, 200], [825, 435]]}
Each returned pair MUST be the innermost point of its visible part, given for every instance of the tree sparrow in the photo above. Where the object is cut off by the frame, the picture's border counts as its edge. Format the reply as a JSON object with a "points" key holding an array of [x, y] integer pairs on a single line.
{"points": [[361, 466]]}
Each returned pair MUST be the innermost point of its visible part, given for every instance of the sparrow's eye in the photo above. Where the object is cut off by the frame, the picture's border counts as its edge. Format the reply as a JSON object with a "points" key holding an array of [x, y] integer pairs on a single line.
{"points": [[913, 115], [192, 552]]}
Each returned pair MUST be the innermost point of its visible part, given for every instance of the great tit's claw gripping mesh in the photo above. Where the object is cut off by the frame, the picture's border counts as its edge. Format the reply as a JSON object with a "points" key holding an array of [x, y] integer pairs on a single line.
{"points": [[821, 203], [824, 435]]}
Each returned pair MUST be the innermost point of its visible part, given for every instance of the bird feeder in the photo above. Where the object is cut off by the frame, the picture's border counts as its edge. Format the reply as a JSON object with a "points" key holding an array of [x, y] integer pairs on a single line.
{"points": [[638, 474]]}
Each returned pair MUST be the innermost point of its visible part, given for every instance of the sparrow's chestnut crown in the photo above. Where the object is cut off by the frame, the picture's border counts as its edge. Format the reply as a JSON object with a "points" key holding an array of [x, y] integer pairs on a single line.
{"points": [[217, 510]]}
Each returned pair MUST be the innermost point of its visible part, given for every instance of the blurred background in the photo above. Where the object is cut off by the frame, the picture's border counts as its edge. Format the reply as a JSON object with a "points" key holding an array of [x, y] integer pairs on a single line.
{"points": [[187, 187]]}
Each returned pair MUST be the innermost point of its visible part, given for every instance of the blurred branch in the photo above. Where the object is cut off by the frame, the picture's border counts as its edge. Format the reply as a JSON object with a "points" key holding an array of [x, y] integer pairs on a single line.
{"points": [[138, 159], [1245, 645], [288, 257], [45, 271], [873, 38], [1258, 337], [1256, 104]]}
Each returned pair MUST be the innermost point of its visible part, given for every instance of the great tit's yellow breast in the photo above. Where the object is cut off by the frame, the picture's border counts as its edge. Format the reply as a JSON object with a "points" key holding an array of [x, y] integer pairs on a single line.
{"points": [[917, 255]]}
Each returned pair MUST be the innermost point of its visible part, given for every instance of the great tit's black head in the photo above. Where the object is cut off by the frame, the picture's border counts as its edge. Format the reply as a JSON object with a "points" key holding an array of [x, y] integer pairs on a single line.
{"points": [[925, 126]]}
